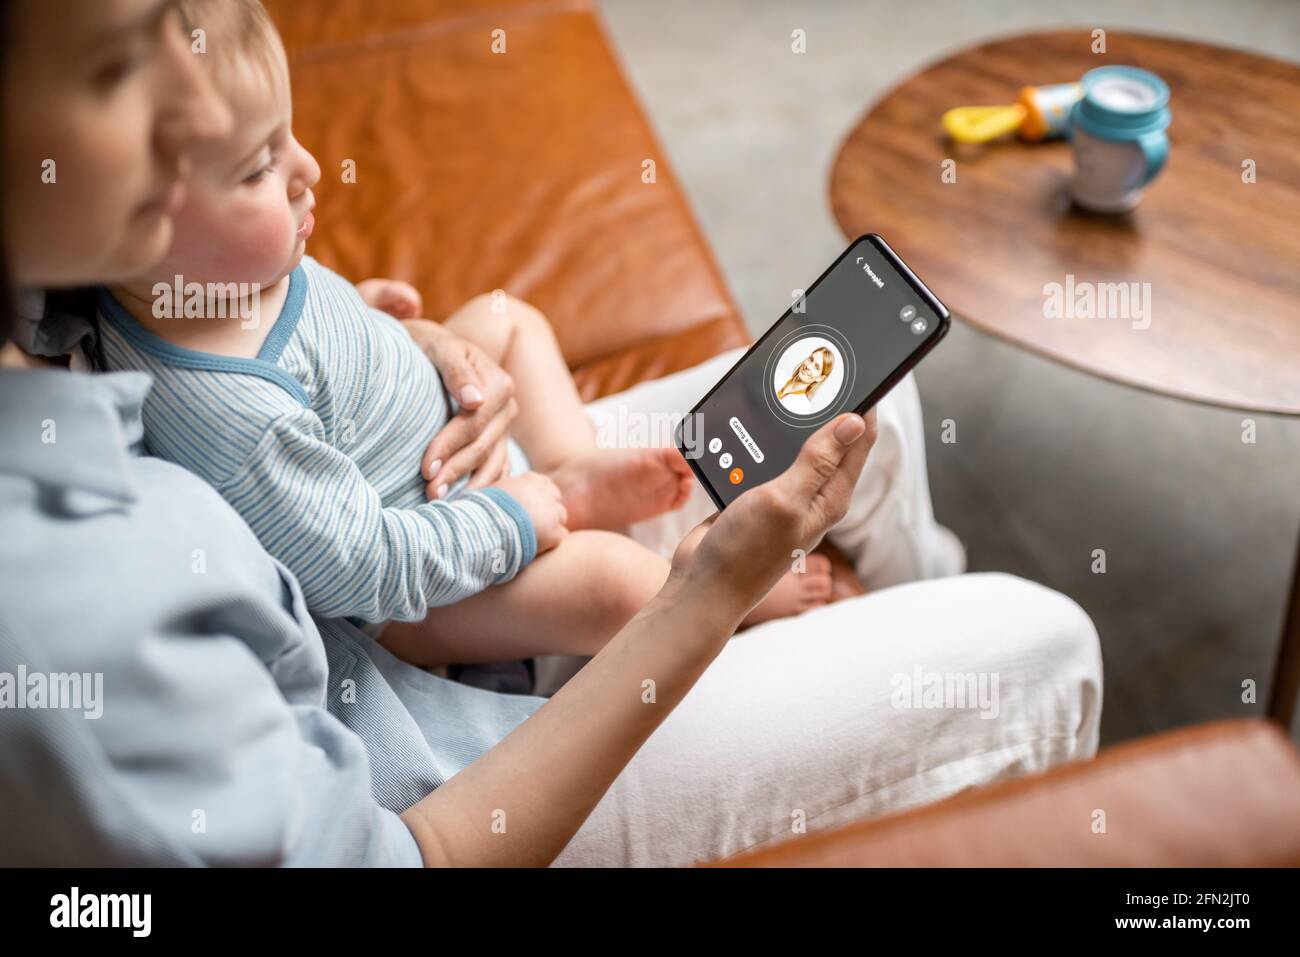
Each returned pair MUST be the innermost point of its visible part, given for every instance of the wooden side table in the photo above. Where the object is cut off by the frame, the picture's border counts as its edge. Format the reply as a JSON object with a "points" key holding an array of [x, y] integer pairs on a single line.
{"points": [[1221, 253]]}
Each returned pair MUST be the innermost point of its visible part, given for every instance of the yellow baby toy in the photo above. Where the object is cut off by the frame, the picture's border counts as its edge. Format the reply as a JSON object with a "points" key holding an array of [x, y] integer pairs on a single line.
{"points": [[1040, 113]]}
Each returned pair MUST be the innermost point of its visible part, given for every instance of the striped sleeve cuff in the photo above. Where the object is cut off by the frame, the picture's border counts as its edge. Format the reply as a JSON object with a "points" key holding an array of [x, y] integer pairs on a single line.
{"points": [[510, 505]]}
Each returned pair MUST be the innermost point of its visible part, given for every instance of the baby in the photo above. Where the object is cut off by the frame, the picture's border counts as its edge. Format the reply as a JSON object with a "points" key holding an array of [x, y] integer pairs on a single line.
{"points": [[309, 410]]}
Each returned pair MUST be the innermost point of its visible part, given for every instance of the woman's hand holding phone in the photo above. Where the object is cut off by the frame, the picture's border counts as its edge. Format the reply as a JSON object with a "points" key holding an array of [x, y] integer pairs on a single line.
{"points": [[730, 561]]}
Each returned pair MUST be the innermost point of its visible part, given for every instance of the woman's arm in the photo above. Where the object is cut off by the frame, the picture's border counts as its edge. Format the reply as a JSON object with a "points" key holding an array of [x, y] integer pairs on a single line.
{"points": [[523, 801]]}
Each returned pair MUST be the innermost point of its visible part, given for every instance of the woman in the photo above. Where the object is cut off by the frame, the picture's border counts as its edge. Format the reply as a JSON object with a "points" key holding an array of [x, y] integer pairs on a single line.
{"points": [[811, 373], [222, 739]]}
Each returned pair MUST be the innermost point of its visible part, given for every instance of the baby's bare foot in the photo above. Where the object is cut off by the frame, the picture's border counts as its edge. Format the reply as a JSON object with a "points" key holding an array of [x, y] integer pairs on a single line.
{"points": [[796, 592], [613, 488]]}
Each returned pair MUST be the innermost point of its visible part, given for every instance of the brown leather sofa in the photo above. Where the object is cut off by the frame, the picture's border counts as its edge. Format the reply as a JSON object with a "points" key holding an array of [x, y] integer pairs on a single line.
{"points": [[1225, 794], [463, 170]]}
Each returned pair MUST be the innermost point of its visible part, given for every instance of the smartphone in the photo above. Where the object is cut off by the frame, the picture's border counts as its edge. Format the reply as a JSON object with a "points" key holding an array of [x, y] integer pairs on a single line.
{"points": [[840, 347]]}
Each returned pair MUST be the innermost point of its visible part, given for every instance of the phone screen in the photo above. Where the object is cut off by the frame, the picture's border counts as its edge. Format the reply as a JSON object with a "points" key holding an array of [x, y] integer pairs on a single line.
{"points": [[839, 348]]}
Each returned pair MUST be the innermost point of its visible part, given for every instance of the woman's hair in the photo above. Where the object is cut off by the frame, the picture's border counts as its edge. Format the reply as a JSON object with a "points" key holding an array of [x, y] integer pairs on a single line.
{"points": [[792, 387]]}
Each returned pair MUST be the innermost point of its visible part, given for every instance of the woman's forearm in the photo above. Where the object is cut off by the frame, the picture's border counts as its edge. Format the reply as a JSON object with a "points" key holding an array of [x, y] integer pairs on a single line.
{"points": [[523, 801]]}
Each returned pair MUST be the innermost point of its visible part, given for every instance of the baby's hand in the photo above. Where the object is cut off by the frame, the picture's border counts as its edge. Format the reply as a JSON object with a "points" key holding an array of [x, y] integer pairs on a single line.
{"points": [[397, 298], [540, 498]]}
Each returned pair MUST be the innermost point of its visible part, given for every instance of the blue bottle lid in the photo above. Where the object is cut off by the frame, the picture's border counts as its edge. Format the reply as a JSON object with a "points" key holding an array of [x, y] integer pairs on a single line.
{"points": [[1121, 103]]}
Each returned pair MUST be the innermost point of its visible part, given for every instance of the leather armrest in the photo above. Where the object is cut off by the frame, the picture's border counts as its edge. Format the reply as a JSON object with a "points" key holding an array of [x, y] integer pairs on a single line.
{"points": [[1219, 794]]}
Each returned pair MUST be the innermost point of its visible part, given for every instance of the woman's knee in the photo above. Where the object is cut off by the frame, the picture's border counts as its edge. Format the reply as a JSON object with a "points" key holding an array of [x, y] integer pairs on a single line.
{"points": [[1045, 617], [1058, 641]]}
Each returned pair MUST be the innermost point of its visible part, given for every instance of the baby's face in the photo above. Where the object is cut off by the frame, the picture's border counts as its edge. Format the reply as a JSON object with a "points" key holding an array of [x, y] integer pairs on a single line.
{"points": [[247, 210]]}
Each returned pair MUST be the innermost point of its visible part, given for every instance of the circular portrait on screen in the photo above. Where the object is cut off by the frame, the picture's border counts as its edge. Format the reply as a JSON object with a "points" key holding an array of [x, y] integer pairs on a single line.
{"points": [[808, 376]]}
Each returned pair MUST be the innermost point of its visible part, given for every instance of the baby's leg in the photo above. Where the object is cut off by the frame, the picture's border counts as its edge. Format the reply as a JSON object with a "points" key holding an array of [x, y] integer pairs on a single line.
{"points": [[602, 488], [551, 426], [805, 586], [615, 488], [795, 593], [571, 600]]}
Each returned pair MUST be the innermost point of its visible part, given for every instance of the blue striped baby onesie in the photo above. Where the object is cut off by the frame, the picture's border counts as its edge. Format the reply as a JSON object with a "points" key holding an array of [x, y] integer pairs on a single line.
{"points": [[317, 443]]}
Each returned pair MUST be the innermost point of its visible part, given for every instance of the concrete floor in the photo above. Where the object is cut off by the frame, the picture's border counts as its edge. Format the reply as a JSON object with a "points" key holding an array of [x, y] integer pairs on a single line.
{"points": [[1199, 529]]}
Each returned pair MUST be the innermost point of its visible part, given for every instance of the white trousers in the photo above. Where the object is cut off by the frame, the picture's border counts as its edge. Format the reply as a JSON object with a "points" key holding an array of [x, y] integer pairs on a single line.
{"points": [[913, 692]]}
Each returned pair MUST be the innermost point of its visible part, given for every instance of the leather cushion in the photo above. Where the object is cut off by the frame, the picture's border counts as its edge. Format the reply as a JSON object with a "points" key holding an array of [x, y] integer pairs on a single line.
{"points": [[519, 171]]}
